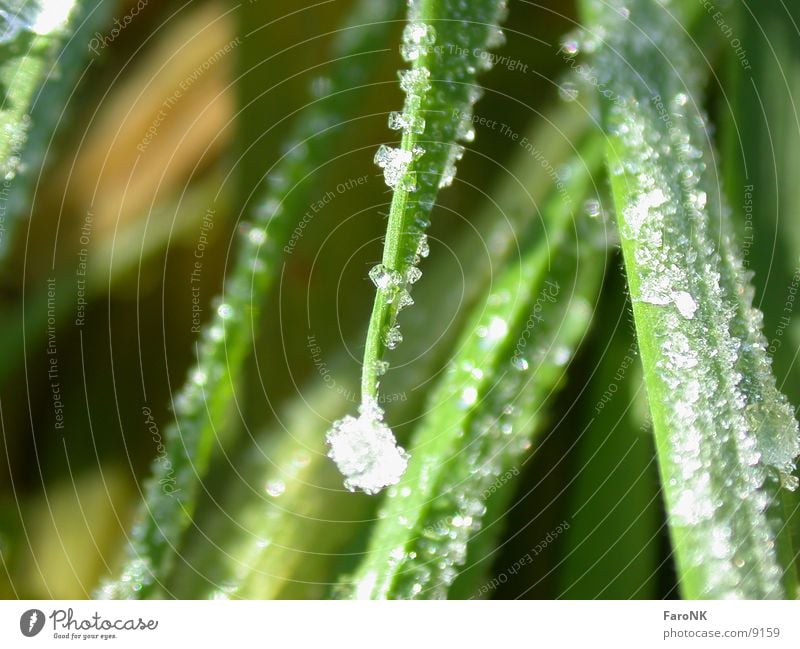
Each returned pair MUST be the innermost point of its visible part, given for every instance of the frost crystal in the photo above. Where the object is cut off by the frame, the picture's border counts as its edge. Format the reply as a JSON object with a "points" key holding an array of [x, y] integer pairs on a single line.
{"points": [[365, 450], [394, 163], [393, 337], [417, 37], [455, 154], [415, 81], [383, 278], [686, 304]]}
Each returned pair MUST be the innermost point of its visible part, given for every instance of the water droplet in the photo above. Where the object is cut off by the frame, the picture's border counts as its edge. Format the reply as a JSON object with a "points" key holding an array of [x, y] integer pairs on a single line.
{"points": [[519, 363], [257, 236], [593, 208], [568, 91], [321, 87], [275, 488], [570, 46], [469, 396]]}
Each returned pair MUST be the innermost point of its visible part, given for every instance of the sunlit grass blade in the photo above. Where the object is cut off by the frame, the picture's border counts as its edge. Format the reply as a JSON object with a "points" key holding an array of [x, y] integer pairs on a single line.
{"points": [[446, 42], [204, 406], [481, 415], [276, 533], [33, 59], [726, 438]]}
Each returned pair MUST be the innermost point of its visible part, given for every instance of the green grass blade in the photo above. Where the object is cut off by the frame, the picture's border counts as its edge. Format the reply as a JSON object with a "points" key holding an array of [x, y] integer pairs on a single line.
{"points": [[613, 548], [203, 407], [32, 36], [481, 415], [446, 43], [726, 438], [760, 132]]}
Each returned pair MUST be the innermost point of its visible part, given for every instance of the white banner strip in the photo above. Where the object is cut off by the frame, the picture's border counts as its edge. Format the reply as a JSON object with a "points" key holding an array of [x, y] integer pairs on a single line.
{"points": [[378, 625]]}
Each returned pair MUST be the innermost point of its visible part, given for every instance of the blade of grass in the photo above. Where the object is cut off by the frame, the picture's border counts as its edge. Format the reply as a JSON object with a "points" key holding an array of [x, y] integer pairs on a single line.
{"points": [[38, 53], [760, 133], [612, 550], [446, 42], [726, 438], [481, 416], [203, 407]]}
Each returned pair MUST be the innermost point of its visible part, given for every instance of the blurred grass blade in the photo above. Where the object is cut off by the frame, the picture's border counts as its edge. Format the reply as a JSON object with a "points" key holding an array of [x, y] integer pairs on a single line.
{"points": [[612, 550], [203, 407], [760, 133], [446, 42], [726, 438], [32, 34], [483, 412]]}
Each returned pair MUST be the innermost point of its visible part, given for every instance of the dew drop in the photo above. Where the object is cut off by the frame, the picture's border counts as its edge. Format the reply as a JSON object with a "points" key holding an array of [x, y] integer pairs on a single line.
{"points": [[275, 488]]}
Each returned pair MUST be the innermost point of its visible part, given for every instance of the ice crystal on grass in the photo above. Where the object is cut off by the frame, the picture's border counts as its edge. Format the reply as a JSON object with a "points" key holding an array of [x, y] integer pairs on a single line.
{"points": [[365, 450], [440, 90], [417, 38]]}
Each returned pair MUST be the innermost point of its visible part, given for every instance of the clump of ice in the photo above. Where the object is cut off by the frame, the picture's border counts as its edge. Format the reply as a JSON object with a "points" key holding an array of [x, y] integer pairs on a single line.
{"points": [[365, 450]]}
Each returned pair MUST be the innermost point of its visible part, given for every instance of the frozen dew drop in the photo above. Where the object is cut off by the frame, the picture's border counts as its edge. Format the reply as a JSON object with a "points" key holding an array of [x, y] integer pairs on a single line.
{"points": [[561, 355], [413, 274], [381, 367], [570, 46], [396, 121], [417, 37], [681, 99], [685, 304], [519, 363], [469, 396], [257, 236], [275, 488], [321, 87], [415, 81], [269, 209], [496, 38], [384, 278], [394, 163], [568, 91], [593, 208], [404, 299], [497, 329], [423, 248], [455, 153], [393, 337], [365, 450]]}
